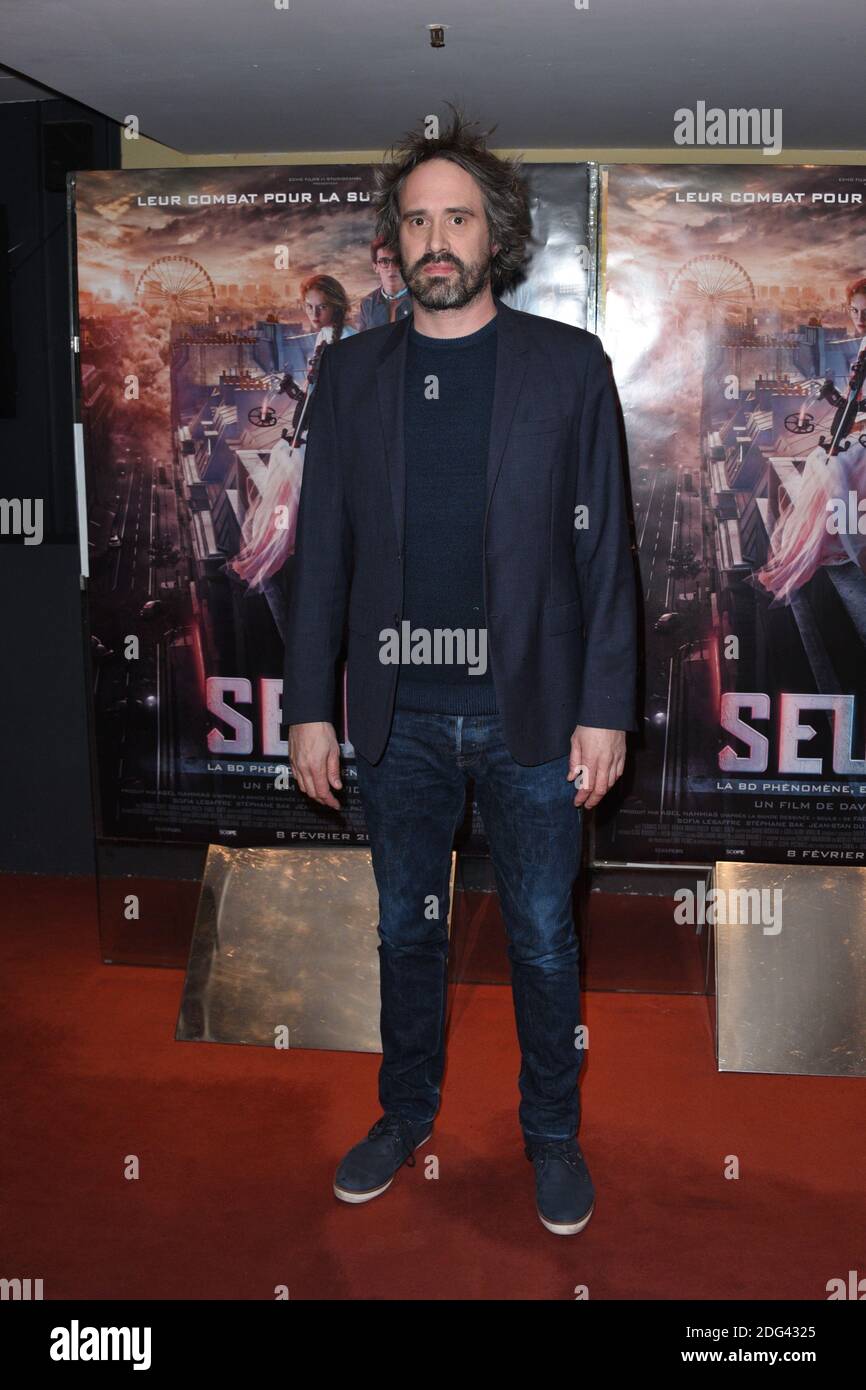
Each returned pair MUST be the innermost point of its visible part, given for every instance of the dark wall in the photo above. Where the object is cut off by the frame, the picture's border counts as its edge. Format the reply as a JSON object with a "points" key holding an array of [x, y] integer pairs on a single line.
{"points": [[46, 823]]}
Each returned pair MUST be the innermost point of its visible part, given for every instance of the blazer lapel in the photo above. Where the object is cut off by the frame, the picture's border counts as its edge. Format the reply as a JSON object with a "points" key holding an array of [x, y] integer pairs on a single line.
{"points": [[511, 361], [391, 380]]}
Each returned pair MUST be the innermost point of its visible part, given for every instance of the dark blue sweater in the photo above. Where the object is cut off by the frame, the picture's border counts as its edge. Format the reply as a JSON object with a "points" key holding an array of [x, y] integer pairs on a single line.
{"points": [[447, 436]]}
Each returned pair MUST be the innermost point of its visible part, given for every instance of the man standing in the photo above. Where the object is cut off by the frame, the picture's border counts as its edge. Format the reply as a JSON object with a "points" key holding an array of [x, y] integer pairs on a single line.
{"points": [[463, 506]]}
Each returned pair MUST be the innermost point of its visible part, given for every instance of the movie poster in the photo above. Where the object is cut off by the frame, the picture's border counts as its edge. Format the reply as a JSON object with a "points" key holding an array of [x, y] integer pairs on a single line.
{"points": [[733, 307], [205, 298]]}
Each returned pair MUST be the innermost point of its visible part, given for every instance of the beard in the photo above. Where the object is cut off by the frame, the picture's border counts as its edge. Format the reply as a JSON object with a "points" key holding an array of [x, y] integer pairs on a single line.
{"points": [[447, 292]]}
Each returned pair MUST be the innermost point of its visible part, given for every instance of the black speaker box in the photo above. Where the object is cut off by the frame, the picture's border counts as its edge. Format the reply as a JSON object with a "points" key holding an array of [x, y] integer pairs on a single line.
{"points": [[66, 145], [8, 383]]}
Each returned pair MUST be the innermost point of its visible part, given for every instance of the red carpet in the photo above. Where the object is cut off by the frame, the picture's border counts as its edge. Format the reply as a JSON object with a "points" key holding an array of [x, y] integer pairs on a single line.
{"points": [[237, 1147]]}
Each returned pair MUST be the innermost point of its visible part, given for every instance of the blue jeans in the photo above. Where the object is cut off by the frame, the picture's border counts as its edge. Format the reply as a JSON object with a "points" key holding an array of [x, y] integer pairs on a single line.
{"points": [[414, 798]]}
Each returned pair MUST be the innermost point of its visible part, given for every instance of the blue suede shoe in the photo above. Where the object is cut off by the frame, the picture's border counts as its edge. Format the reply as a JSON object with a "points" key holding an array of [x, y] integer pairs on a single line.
{"points": [[564, 1194], [369, 1168]]}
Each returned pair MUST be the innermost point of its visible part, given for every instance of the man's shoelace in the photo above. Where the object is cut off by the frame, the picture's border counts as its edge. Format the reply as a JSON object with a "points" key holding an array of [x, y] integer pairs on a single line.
{"points": [[399, 1129], [566, 1149]]}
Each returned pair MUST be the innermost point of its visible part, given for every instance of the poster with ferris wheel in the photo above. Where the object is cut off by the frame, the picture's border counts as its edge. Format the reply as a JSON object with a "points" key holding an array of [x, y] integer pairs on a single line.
{"points": [[733, 307], [204, 297]]}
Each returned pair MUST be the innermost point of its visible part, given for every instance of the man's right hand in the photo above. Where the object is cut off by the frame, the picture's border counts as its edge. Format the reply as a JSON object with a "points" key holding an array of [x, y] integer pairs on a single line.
{"points": [[314, 755]]}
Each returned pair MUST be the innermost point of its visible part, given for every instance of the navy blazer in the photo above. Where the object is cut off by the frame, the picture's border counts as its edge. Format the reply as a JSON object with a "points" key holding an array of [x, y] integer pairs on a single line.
{"points": [[560, 598]]}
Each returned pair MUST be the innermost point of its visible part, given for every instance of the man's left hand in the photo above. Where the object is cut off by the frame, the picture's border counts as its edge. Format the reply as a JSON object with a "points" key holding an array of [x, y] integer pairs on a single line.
{"points": [[597, 760]]}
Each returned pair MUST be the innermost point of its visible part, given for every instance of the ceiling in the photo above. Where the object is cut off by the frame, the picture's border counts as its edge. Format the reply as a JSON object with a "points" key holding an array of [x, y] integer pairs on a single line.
{"points": [[231, 76]]}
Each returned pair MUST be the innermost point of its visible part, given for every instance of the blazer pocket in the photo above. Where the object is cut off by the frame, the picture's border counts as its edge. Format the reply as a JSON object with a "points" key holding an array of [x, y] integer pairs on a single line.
{"points": [[562, 617], [546, 424]]}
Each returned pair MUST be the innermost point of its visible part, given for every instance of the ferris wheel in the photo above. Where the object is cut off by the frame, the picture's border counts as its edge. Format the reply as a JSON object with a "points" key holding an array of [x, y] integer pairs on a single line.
{"points": [[177, 286], [713, 282]]}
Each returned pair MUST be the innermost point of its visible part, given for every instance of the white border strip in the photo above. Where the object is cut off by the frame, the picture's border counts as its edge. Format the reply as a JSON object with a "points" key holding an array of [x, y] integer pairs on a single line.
{"points": [[81, 494]]}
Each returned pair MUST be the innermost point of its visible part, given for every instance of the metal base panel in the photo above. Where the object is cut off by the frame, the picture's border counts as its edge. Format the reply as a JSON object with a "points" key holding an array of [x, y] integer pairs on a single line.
{"points": [[791, 969], [285, 950]]}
